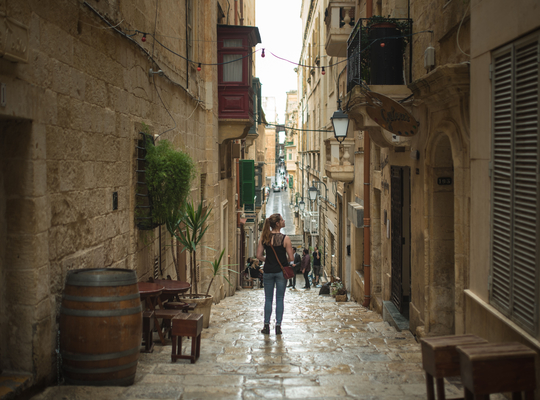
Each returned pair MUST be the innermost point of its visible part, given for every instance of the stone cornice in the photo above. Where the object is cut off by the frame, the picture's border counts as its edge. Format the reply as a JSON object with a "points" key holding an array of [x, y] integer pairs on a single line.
{"points": [[443, 85]]}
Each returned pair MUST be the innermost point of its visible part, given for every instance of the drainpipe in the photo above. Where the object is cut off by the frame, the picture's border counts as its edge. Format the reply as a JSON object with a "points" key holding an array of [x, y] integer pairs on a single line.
{"points": [[236, 12], [367, 193], [242, 12]]}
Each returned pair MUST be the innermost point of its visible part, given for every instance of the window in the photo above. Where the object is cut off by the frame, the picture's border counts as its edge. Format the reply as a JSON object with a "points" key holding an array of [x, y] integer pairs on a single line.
{"points": [[232, 68], [514, 283]]}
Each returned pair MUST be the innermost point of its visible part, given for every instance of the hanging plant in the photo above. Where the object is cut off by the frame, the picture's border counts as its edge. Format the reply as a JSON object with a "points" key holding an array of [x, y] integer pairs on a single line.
{"points": [[169, 174]]}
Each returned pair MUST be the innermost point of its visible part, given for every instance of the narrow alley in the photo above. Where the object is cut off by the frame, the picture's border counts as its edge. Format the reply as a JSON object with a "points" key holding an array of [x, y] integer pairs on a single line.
{"points": [[328, 350]]}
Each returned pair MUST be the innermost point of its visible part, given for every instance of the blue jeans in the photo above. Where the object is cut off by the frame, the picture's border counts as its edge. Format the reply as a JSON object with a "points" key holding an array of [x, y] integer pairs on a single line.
{"points": [[271, 280]]}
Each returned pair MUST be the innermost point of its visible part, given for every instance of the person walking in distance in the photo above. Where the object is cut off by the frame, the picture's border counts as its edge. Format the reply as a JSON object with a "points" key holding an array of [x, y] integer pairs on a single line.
{"points": [[306, 267], [279, 252], [296, 268], [317, 266]]}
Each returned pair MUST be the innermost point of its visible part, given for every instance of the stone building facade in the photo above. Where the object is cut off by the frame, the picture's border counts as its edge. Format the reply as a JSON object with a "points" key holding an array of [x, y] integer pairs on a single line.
{"points": [[422, 211], [80, 81]]}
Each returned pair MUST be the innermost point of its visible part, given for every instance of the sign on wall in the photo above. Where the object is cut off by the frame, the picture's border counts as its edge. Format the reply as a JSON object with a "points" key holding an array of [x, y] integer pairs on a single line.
{"points": [[391, 115]]}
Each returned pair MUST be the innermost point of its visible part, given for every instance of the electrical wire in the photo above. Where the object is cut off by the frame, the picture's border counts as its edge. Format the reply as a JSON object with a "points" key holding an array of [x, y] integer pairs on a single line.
{"points": [[140, 47], [459, 28], [297, 129]]}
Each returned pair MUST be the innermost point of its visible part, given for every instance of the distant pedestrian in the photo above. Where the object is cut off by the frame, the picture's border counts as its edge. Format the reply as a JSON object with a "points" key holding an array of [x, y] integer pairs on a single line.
{"points": [[306, 267], [279, 252], [296, 267], [317, 266]]}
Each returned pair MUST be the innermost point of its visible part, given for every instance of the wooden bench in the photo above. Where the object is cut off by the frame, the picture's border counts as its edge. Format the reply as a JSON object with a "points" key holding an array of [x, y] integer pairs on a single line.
{"points": [[188, 325], [497, 368], [440, 359]]}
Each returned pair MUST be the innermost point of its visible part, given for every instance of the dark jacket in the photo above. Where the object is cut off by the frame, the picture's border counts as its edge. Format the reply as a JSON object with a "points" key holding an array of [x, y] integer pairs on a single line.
{"points": [[306, 263], [297, 262]]}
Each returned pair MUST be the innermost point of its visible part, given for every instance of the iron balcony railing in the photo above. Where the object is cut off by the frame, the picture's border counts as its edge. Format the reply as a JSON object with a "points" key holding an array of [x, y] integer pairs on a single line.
{"points": [[367, 48]]}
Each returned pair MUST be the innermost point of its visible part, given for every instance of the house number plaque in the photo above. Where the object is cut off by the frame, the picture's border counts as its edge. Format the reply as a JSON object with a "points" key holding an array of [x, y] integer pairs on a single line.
{"points": [[444, 181]]}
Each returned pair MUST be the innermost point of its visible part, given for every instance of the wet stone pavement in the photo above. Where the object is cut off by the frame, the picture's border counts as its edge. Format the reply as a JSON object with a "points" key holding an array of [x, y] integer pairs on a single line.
{"points": [[328, 350]]}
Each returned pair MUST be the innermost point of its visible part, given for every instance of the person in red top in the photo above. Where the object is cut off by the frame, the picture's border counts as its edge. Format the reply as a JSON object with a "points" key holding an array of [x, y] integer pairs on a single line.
{"points": [[279, 252]]}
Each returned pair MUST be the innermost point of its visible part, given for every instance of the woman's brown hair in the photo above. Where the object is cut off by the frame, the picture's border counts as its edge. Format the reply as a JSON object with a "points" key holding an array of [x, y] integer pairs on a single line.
{"points": [[269, 223]]}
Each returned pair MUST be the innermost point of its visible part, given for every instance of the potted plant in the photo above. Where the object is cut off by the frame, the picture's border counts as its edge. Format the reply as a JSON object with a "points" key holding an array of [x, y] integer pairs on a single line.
{"points": [[338, 291], [217, 268], [188, 227], [167, 178]]}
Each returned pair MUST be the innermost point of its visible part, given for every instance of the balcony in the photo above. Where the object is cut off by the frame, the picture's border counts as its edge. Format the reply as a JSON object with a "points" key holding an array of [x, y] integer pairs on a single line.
{"points": [[235, 91], [376, 51], [340, 20], [340, 160]]}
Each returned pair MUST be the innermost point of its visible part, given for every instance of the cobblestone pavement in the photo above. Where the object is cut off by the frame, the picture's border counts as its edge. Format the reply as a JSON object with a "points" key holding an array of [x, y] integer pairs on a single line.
{"points": [[328, 350]]}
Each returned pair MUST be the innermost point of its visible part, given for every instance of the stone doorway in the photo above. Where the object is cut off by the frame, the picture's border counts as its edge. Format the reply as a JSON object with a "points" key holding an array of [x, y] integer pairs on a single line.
{"points": [[441, 261]]}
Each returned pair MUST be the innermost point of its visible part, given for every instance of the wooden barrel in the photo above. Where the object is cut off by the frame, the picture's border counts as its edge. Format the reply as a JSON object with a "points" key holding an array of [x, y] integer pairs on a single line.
{"points": [[100, 327]]}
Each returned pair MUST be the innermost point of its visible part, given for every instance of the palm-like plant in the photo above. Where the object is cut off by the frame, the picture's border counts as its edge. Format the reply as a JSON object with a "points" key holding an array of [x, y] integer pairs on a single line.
{"points": [[188, 228], [217, 268]]}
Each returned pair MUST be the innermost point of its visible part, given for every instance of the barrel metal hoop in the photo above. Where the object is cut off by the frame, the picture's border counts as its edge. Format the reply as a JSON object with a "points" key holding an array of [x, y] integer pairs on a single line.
{"points": [[117, 368], [101, 313], [89, 299], [111, 277], [99, 357]]}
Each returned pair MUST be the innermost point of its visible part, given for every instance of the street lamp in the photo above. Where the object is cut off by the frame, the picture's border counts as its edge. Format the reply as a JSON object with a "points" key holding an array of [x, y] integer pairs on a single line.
{"points": [[296, 208], [312, 193], [302, 205], [340, 122]]}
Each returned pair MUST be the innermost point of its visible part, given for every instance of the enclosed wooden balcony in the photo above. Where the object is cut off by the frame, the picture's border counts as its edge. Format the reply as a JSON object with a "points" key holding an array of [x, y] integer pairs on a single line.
{"points": [[235, 91], [340, 18]]}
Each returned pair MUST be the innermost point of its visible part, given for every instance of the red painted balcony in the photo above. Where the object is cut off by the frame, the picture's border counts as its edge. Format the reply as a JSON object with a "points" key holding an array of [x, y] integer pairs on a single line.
{"points": [[235, 92]]}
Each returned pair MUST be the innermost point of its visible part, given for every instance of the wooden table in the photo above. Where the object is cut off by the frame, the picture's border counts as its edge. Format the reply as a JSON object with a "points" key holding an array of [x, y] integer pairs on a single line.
{"points": [[172, 288], [150, 293]]}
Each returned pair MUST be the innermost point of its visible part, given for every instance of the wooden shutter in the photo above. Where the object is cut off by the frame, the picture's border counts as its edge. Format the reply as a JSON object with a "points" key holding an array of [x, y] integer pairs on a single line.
{"points": [[247, 182], [502, 174], [525, 183], [515, 236]]}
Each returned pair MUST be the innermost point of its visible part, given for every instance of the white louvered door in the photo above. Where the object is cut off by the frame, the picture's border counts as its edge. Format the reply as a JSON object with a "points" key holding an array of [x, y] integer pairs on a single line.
{"points": [[515, 235]]}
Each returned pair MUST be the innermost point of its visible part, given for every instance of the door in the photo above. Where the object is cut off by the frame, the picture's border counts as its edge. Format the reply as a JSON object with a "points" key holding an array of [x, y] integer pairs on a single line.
{"points": [[400, 239]]}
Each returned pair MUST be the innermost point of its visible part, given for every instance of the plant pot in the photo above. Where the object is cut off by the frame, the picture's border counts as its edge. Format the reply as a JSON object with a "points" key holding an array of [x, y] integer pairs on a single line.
{"points": [[341, 297], [204, 305]]}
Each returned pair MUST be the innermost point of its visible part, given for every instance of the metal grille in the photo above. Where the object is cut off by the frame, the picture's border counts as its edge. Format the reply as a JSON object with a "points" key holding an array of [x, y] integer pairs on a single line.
{"points": [[143, 200], [396, 240], [515, 236]]}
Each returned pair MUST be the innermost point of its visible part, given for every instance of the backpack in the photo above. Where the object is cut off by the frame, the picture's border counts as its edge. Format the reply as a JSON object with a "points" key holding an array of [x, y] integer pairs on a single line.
{"points": [[325, 289]]}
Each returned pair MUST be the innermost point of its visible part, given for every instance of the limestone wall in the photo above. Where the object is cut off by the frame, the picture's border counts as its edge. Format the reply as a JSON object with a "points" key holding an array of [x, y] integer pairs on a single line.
{"points": [[68, 134]]}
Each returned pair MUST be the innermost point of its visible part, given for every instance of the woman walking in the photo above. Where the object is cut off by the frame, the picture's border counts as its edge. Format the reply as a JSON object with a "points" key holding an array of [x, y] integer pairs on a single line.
{"points": [[279, 252]]}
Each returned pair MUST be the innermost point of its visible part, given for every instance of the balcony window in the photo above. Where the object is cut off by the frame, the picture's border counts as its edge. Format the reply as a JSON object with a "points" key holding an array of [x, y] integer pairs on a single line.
{"points": [[232, 70]]}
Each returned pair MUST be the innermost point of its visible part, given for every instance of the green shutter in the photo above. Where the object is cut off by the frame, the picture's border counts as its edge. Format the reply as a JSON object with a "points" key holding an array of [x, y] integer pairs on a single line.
{"points": [[247, 182]]}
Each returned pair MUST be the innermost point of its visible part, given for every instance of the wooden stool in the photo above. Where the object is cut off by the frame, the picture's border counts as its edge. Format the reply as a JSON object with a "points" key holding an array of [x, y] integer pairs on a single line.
{"points": [[497, 368], [440, 359], [178, 305], [167, 316], [189, 325], [148, 331]]}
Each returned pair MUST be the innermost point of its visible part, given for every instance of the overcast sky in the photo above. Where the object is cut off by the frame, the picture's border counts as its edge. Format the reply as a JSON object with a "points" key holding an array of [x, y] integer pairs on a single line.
{"points": [[280, 27]]}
